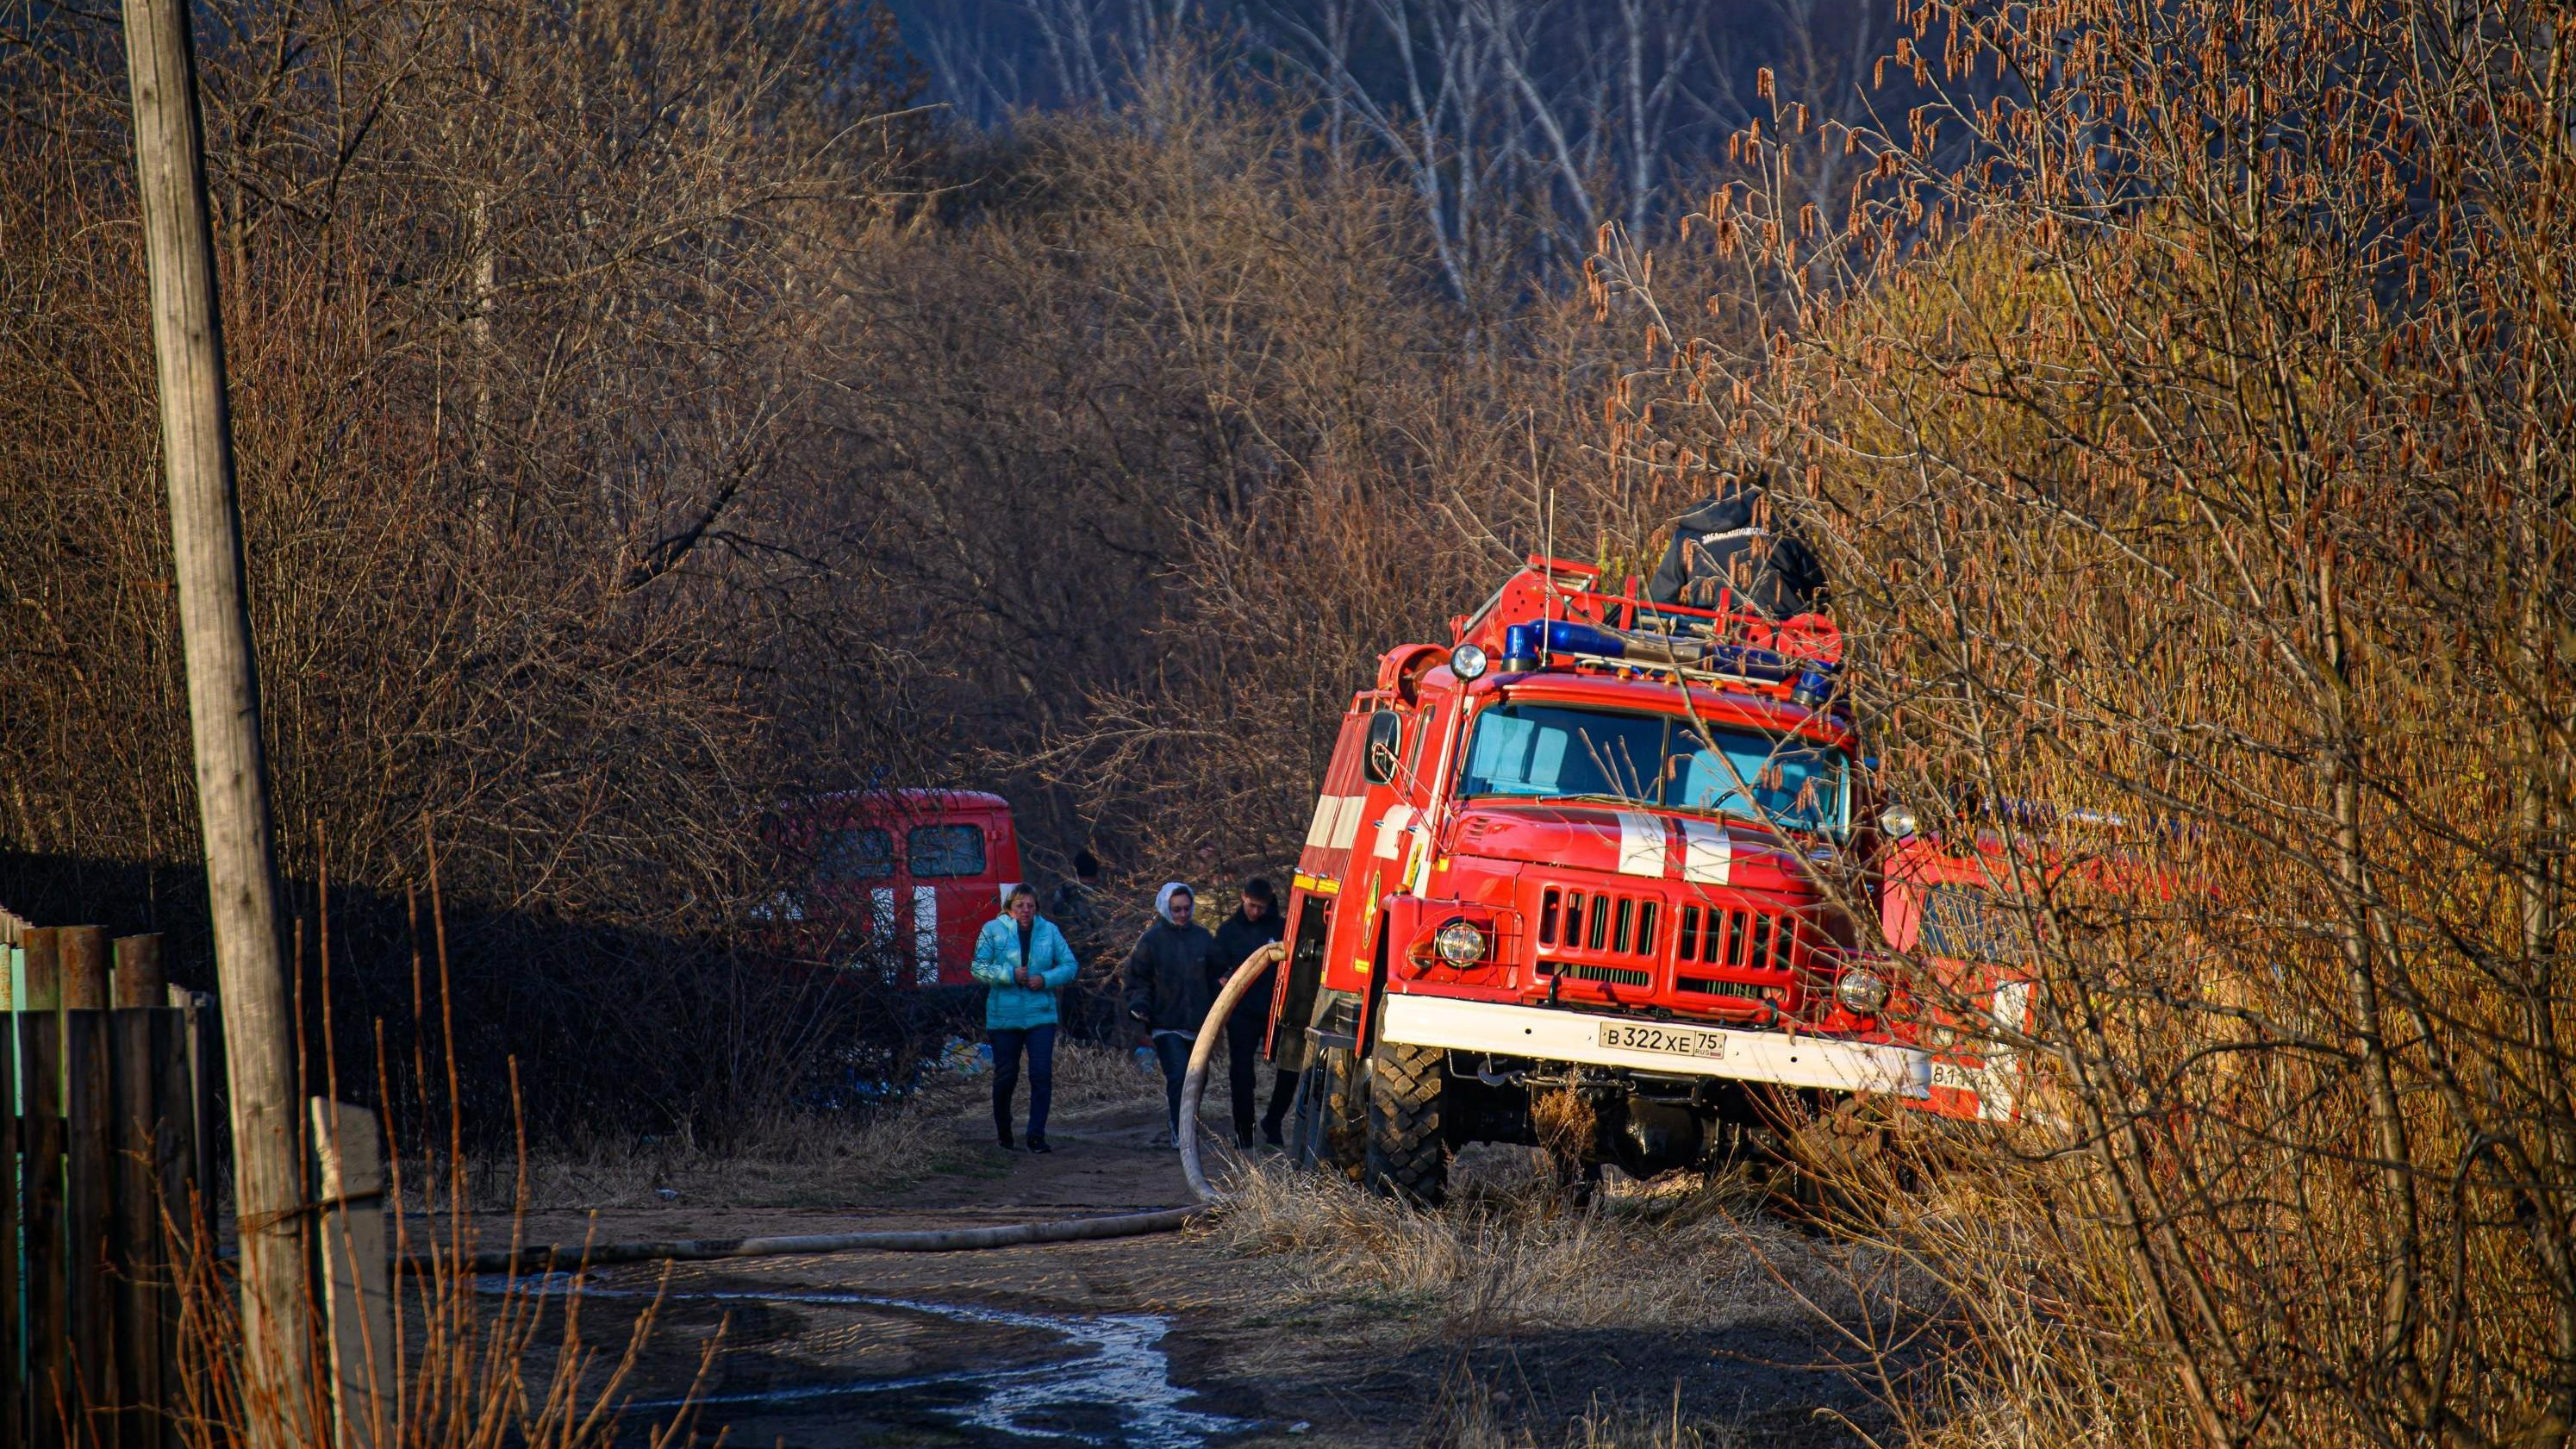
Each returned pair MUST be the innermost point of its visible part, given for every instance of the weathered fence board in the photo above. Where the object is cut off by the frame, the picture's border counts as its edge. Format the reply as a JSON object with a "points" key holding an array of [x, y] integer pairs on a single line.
{"points": [[139, 981], [83, 950], [88, 1159], [13, 1345], [41, 974], [101, 1141], [150, 1132], [356, 1274], [47, 1293]]}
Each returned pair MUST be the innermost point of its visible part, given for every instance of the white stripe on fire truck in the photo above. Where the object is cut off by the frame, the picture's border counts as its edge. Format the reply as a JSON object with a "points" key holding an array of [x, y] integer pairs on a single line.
{"points": [[1390, 831], [1327, 807], [1641, 843], [925, 936], [2011, 1013], [881, 930], [1708, 852], [1346, 824]]}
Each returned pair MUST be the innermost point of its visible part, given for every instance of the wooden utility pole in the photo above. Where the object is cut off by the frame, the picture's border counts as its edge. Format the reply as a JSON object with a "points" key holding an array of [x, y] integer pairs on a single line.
{"points": [[223, 707]]}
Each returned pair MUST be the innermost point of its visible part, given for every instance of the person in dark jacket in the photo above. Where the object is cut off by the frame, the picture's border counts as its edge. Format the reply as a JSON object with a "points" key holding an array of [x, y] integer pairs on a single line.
{"points": [[1254, 924], [1172, 980], [1733, 544]]}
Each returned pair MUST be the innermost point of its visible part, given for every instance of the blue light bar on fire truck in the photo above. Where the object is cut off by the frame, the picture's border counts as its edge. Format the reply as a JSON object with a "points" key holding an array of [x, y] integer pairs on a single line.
{"points": [[1526, 647]]}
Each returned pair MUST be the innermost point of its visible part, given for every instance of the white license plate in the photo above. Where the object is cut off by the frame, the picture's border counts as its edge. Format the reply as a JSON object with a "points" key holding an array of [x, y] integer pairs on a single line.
{"points": [[1648, 1036]]}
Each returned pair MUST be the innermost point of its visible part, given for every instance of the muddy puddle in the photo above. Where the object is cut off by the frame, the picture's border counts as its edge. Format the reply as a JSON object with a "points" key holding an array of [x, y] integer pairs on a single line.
{"points": [[810, 1369]]}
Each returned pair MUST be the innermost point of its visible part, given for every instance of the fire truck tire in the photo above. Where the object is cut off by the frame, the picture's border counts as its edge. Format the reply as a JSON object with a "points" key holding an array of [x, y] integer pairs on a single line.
{"points": [[1406, 1154], [1334, 1130], [1839, 1165]]}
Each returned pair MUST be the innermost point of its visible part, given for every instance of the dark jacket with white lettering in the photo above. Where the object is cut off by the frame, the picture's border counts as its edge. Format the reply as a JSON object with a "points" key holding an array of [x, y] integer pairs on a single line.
{"points": [[1730, 543]]}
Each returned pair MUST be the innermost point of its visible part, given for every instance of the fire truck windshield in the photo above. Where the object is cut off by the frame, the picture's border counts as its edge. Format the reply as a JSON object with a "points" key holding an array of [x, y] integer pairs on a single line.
{"points": [[1553, 752]]}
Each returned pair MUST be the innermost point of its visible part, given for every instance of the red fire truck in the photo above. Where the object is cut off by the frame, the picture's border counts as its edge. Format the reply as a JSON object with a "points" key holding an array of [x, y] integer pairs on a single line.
{"points": [[1591, 846], [891, 883], [1951, 915]]}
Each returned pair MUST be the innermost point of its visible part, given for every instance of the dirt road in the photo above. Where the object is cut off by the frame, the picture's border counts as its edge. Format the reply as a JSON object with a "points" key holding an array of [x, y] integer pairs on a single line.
{"points": [[1150, 1343]]}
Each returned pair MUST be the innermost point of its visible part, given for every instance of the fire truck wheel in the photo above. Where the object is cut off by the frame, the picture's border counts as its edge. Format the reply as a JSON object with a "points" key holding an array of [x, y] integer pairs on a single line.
{"points": [[1333, 1129], [1406, 1156], [1840, 1169]]}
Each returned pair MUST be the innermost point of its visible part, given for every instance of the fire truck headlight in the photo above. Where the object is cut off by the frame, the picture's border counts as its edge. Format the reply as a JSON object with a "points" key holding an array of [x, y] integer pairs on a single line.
{"points": [[1861, 992], [1460, 944], [1899, 822], [1467, 662]]}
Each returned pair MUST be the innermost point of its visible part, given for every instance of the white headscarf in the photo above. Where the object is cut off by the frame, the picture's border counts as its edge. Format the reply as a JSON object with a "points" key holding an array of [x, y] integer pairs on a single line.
{"points": [[1163, 897]]}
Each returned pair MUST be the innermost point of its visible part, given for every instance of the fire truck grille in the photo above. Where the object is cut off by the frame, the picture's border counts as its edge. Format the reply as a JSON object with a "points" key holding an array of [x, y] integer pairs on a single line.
{"points": [[1715, 937], [1585, 971], [1598, 921], [1706, 987]]}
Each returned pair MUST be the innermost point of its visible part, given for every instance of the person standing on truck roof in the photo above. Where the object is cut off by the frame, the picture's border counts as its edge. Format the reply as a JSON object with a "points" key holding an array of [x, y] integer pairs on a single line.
{"points": [[1172, 980], [1023, 961], [1254, 924], [1732, 548]]}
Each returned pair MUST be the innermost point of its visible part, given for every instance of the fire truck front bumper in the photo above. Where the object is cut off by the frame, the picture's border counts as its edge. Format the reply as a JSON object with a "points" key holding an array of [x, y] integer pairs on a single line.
{"points": [[1673, 1048]]}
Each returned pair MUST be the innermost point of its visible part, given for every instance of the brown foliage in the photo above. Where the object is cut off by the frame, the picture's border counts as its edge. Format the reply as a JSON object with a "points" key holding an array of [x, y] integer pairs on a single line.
{"points": [[518, 341], [523, 325], [2195, 461], [1174, 432]]}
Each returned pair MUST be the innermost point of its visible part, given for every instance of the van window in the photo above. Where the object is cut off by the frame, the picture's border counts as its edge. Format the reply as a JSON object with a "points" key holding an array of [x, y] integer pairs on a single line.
{"points": [[861, 854], [945, 850]]}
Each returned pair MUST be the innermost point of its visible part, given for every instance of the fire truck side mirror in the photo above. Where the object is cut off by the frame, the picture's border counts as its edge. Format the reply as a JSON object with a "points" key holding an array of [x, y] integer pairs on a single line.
{"points": [[1385, 738]]}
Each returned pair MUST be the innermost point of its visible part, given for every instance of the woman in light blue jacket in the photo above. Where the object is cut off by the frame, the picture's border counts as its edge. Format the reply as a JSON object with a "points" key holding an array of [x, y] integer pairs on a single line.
{"points": [[1023, 962]]}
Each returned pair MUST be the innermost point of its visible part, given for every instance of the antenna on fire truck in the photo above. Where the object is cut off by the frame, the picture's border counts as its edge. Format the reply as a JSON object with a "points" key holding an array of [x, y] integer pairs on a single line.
{"points": [[1547, 594]]}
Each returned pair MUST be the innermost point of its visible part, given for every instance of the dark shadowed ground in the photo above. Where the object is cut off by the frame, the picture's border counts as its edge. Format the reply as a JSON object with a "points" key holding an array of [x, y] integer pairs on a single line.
{"points": [[1149, 1343]]}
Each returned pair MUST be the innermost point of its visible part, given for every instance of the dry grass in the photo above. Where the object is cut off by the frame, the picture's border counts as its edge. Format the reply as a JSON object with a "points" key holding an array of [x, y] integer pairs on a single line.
{"points": [[1476, 1415], [788, 1158], [1510, 1249], [476, 1363]]}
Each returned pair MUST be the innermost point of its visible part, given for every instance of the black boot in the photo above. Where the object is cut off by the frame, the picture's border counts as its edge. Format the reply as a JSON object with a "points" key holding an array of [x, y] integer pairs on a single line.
{"points": [[1002, 1131]]}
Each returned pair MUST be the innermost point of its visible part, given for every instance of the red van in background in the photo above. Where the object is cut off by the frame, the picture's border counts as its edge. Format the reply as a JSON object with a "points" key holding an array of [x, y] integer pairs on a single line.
{"points": [[896, 882]]}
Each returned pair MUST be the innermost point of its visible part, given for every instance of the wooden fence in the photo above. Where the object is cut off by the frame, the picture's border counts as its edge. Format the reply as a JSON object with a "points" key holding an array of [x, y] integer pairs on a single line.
{"points": [[108, 1141], [108, 1133]]}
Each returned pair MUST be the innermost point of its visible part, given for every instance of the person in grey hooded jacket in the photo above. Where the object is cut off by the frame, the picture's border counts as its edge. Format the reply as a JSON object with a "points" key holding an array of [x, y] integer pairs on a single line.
{"points": [[1172, 980]]}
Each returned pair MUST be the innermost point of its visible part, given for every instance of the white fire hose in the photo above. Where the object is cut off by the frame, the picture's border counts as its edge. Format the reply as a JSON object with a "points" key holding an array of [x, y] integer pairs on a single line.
{"points": [[944, 1240], [1194, 1083]]}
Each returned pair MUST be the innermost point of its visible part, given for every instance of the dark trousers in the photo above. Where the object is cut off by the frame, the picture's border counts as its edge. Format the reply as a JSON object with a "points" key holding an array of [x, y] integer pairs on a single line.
{"points": [[1007, 1043], [1174, 1053], [1243, 1053]]}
